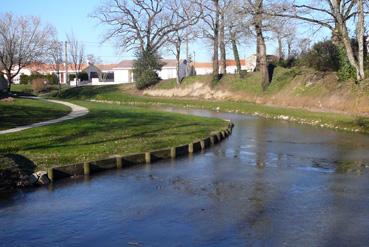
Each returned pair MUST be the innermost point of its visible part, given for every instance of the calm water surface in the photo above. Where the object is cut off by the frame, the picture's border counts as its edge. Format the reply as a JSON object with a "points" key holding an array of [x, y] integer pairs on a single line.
{"points": [[270, 184]]}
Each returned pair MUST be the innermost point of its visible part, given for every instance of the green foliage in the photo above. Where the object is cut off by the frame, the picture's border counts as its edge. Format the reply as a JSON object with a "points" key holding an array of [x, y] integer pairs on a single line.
{"points": [[287, 63], [71, 77], [83, 76], [324, 56], [50, 78], [346, 71], [145, 67]]}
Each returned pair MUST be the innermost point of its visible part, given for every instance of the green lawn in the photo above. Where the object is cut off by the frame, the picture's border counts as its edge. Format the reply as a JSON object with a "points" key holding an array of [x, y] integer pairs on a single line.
{"points": [[107, 130], [27, 111], [115, 93]]}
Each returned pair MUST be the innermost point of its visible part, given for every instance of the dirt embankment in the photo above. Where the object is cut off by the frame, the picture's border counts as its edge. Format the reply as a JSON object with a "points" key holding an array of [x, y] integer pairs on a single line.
{"points": [[313, 91]]}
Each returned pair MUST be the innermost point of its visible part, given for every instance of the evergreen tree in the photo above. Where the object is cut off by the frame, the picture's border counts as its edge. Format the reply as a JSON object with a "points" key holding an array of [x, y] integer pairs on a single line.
{"points": [[145, 67]]}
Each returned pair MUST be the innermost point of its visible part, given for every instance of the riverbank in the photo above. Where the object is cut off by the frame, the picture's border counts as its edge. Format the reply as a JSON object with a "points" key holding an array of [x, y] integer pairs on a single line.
{"points": [[300, 88], [127, 95]]}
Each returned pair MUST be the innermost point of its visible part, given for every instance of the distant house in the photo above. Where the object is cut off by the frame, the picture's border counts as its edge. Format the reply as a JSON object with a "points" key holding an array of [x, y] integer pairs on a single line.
{"points": [[105, 74], [123, 72], [206, 68]]}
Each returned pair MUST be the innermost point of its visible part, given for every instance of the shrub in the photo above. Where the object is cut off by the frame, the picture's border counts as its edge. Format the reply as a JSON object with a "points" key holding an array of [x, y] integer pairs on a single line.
{"points": [[52, 79], [83, 76], [346, 71], [287, 63], [71, 77], [324, 56], [38, 85], [145, 67], [24, 79]]}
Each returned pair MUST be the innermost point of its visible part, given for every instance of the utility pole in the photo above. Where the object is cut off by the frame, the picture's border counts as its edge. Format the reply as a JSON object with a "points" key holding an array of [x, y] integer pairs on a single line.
{"points": [[66, 62], [194, 60], [187, 55]]}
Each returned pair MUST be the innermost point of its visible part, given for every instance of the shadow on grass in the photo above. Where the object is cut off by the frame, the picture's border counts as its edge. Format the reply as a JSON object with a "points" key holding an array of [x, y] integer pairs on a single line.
{"points": [[16, 161]]}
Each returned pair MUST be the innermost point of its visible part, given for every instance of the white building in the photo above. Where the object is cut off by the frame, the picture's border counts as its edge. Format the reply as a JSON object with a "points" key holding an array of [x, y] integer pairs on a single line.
{"points": [[123, 72], [106, 74]]}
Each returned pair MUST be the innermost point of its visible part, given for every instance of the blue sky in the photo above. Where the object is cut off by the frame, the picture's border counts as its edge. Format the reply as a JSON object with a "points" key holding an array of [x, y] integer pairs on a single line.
{"points": [[72, 15]]}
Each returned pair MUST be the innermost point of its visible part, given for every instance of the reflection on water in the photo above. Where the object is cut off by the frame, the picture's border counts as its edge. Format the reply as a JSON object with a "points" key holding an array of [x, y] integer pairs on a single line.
{"points": [[270, 184]]}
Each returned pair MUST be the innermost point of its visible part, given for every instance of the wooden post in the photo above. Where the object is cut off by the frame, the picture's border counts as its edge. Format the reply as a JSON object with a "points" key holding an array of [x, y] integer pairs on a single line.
{"points": [[212, 141], [148, 158], [50, 174], [173, 152], [190, 148], [86, 168], [202, 144], [119, 162], [218, 137]]}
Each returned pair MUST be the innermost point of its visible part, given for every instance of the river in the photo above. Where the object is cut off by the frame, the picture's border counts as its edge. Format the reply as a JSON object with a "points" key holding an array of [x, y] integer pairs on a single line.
{"points": [[271, 183]]}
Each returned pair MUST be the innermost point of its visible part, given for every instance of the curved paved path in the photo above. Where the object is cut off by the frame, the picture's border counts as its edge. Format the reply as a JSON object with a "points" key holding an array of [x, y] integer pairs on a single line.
{"points": [[77, 111]]}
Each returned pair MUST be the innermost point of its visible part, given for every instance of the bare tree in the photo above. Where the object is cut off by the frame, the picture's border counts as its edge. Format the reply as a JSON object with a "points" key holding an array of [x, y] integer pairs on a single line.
{"points": [[56, 57], [92, 59], [140, 24], [334, 15], [237, 27], [222, 43], [210, 28], [23, 41], [76, 53], [190, 13], [255, 8]]}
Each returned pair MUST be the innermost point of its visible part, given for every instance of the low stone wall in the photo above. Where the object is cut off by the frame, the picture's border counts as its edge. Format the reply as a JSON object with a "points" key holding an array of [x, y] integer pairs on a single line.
{"points": [[118, 162]]}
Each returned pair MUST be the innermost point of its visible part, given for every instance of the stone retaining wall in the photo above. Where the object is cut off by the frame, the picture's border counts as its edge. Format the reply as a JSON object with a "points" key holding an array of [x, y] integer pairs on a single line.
{"points": [[118, 162]]}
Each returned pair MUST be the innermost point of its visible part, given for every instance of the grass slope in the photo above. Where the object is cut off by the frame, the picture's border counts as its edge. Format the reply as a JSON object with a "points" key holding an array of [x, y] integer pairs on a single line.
{"points": [[323, 119], [27, 111], [107, 130]]}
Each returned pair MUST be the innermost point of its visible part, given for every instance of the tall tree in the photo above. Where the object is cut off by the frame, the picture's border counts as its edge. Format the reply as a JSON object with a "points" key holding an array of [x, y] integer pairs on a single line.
{"points": [[334, 15], [222, 43], [190, 13], [56, 58], [140, 24], [23, 40], [255, 8], [211, 31], [237, 28], [76, 53]]}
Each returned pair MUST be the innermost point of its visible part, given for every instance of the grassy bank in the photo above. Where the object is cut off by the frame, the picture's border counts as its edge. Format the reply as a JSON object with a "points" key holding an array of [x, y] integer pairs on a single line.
{"points": [[323, 119], [19, 112], [107, 130]]}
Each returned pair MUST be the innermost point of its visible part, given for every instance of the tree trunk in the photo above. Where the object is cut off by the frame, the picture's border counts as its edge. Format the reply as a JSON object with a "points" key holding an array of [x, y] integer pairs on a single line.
{"points": [[336, 37], [280, 51], [223, 61], [216, 42], [347, 42], [9, 80], [235, 50], [178, 55], [260, 43], [360, 37]]}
